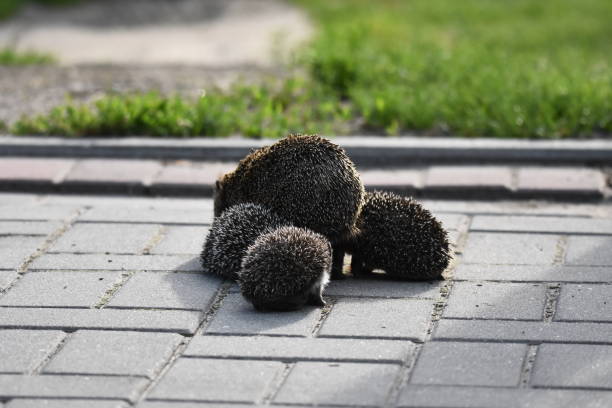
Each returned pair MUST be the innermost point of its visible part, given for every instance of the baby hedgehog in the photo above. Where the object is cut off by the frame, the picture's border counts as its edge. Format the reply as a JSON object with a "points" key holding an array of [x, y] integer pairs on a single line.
{"points": [[306, 180], [285, 269], [400, 237], [232, 233]]}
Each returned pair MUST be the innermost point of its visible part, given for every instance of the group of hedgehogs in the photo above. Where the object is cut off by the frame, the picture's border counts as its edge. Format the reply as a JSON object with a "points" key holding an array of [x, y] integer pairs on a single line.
{"points": [[288, 213]]}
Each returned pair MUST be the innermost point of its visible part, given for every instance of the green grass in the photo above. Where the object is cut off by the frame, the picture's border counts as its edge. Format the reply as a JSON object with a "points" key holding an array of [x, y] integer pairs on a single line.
{"points": [[10, 7], [520, 68], [9, 56]]}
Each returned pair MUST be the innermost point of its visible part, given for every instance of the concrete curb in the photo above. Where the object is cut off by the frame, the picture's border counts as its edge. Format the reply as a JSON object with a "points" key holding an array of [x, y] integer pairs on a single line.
{"points": [[365, 151], [197, 179]]}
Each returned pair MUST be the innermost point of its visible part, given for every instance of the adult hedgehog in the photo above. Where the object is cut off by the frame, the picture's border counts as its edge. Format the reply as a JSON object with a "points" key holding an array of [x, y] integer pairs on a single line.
{"points": [[306, 180]]}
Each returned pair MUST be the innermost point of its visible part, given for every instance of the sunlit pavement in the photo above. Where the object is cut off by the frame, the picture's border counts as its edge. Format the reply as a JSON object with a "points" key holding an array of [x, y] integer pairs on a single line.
{"points": [[103, 304]]}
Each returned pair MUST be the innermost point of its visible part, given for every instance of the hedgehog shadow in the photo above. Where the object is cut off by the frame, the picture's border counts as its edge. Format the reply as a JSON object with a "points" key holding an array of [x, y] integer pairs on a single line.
{"points": [[235, 309]]}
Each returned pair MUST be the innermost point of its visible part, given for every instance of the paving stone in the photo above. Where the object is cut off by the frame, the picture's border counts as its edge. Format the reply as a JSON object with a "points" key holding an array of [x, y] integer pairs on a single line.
{"points": [[113, 171], [559, 225], [491, 364], [15, 250], [517, 249], [216, 380], [451, 221], [383, 288], [397, 180], [117, 353], [496, 397], [589, 251], [191, 175], [106, 238], [70, 386], [59, 403], [485, 178], [585, 302], [22, 350], [37, 211], [182, 404], [69, 289], [117, 319], [167, 290], [521, 331], [401, 318], [238, 316], [338, 384], [533, 273], [39, 171], [292, 348], [490, 300], [151, 214], [28, 227], [6, 278], [187, 263], [181, 240], [573, 365], [550, 180]]}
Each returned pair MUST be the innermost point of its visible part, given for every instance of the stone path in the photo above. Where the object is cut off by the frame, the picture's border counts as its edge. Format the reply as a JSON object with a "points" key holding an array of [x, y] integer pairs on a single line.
{"points": [[171, 46], [214, 33], [102, 305], [187, 178]]}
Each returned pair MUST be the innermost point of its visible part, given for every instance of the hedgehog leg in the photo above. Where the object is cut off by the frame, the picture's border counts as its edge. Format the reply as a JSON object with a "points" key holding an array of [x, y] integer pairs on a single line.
{"points": [[337, 263], [358, 266], [315, 297]]}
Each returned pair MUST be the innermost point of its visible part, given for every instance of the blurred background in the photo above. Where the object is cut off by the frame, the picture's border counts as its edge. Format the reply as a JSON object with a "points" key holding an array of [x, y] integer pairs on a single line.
{"points": [[263, 68]]}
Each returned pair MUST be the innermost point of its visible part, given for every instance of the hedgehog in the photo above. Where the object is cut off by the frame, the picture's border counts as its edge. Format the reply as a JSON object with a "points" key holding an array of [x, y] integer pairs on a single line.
{"points": [[232, 233], [399, 236], [306, 180], [285, 269]]}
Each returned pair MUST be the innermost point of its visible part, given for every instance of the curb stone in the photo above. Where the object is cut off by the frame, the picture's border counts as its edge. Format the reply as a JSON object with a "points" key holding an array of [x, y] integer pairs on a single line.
{"points": [[184, 178], [365, 151]]}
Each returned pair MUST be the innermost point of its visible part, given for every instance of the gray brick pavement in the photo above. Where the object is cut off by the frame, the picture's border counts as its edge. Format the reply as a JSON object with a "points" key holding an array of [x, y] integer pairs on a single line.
{"points": [[15, 250], [70, 386], [337, 384], [21, 351], [573, 365], [131, 213], [495, 330], [485, 364], [511, 248], [490, 300], [496, 397], [401, 318], [160, 337], [292, 348], [589, 251], [559, 225], [384, 288], [6, 278], [217, 380], [237, 316], [531, 273], [68, 289], [28, 227], [70, 319], [106, 238], [115, 262], [63, 403], [167, 290], [181, 240], [116, 353]]}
